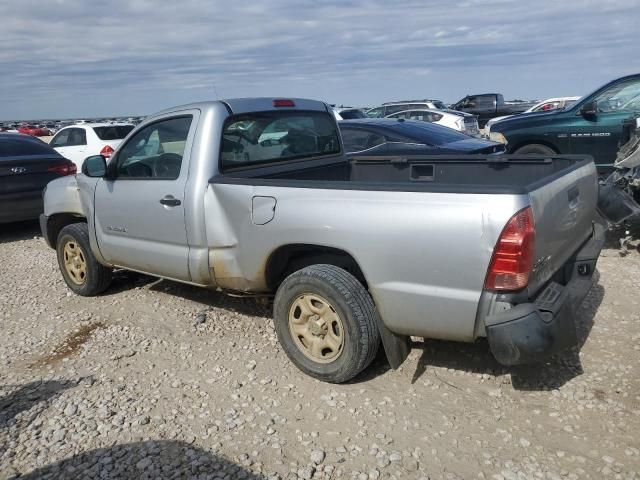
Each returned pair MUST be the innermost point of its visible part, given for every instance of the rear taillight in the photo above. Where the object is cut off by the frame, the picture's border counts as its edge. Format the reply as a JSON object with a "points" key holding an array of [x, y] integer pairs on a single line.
{"points": [[64, 169], [106, 151], [512, 258]]}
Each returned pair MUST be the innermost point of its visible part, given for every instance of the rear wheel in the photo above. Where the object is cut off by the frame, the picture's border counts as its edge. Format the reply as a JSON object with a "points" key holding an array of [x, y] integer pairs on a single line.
{"points": [[80, 269], [326, 323], [535, 149]]}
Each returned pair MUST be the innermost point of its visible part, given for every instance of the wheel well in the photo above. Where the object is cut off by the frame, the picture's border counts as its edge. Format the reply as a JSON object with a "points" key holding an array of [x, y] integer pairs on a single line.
{"points": [[542, 142], [291, 258], [57, 222]]}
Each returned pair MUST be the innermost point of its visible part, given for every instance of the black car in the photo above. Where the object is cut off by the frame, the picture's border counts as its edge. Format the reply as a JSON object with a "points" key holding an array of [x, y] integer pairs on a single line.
{"points": [[26, 166], [391, 136]]}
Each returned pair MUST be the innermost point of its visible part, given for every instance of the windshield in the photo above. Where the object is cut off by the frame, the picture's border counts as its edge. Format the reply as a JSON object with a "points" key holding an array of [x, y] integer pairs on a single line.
{"points": [[113, 132], [265, 137], [624, 96], [439, 105]]}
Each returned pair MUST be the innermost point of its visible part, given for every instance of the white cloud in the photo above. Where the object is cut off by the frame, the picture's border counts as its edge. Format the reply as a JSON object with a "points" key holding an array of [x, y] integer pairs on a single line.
{"points": [[141, 55]]}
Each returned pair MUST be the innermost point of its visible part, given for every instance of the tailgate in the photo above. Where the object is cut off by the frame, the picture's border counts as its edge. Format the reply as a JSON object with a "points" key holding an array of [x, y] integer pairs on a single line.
{"points": [[563, 210]]}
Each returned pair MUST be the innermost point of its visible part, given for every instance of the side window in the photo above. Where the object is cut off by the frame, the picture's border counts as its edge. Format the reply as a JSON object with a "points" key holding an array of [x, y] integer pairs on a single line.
{"points": [[77, 137], [624, 96], [61, 139], [395, 109], [471, 102], [156, 151]]}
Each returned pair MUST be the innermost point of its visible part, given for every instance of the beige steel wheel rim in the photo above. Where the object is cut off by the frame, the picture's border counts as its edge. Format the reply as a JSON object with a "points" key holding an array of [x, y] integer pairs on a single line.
{"points": [[74, 262], [316, 328]]}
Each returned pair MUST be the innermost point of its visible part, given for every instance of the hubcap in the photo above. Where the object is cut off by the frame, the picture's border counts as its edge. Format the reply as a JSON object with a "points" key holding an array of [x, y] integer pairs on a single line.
{"points": [[316, 328], [74, 262]]}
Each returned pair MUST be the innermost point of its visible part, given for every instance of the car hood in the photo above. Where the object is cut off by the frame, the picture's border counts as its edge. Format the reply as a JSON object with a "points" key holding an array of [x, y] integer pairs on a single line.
{"points": [[522, 119]]}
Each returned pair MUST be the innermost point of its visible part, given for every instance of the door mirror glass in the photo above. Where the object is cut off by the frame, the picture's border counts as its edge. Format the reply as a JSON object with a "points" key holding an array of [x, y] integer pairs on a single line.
{"points": [[95, 166], [589, 109]]}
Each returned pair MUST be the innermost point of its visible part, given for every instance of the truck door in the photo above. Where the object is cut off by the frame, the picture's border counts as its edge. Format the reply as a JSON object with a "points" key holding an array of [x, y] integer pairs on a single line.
{"points": [[139, 209], [597, 127]]}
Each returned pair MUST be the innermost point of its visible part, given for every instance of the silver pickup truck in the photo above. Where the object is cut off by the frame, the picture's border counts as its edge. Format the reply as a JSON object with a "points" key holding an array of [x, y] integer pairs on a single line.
{"points": [[256, 196]]}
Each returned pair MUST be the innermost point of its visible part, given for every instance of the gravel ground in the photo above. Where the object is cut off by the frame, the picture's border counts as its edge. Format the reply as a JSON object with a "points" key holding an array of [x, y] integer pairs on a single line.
{"points": [[160, 380]]}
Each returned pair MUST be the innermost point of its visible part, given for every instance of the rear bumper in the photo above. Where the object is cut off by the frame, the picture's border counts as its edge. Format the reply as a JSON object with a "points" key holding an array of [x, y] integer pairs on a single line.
{"points": [[530, 332]]}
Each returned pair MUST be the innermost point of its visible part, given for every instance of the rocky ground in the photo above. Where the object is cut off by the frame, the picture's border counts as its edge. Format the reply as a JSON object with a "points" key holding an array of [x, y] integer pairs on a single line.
{"points": [[160, 380]]}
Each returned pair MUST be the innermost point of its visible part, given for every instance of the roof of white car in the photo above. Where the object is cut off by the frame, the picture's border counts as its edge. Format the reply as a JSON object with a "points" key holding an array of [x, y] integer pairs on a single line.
{"points": [[91, 125]]}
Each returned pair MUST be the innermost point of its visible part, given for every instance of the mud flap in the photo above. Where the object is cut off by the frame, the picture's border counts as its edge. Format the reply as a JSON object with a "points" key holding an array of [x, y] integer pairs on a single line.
{"points": [[397, 347]]}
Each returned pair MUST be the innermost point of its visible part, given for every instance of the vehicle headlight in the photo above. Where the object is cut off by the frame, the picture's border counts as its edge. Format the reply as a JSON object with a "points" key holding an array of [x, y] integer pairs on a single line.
{"points": [[497, 137]]}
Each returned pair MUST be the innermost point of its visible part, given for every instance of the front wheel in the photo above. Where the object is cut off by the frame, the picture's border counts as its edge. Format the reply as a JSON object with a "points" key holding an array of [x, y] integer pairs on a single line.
{"points": [[80, 269], [326, 323]]}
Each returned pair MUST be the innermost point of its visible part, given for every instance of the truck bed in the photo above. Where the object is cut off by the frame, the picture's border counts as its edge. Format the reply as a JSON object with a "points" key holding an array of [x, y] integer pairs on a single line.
{"points": [[507, 174], [562, 190]]}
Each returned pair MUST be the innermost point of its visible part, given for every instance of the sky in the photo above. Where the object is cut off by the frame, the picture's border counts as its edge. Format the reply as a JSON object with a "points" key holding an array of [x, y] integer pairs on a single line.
{"points": [[78, 58]]}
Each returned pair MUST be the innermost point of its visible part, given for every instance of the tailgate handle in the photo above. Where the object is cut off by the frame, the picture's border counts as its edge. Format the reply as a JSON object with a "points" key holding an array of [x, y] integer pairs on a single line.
{"points": [[574, 197]]}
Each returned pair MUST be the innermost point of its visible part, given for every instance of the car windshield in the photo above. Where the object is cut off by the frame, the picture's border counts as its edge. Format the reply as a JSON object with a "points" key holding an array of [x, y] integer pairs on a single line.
{"points": [[266, 137], [439, 105], [113, 132], [624, 96]]}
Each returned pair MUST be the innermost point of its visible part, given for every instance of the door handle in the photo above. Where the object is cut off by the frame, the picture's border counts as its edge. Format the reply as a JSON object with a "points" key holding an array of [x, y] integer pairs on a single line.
{"points": [[170, 201]]}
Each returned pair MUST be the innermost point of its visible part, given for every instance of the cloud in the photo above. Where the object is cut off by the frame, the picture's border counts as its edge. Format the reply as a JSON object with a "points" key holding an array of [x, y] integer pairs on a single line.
{"points": [[71, 57]]}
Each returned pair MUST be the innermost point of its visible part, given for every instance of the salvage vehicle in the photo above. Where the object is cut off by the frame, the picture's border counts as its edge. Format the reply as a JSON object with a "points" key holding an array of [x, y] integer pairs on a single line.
{"points": [[386, 136], [490, 105], [27, 164], [255, 197], [593, 125], [619, 194]]}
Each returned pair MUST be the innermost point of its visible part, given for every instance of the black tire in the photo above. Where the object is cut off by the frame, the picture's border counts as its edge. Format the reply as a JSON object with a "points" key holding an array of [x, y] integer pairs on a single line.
{"points": [[96, 278], [535, 149], [355, 308]]}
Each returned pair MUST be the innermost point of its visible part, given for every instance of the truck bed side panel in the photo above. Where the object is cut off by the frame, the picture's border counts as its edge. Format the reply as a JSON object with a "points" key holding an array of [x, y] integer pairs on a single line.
{"points": [[424, 255]]}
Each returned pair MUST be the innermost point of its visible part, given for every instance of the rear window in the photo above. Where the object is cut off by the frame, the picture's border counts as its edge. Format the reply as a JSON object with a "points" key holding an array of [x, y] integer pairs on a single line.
{"points": [[113, 132], [429, 133], [18, 147], [265, 137]]}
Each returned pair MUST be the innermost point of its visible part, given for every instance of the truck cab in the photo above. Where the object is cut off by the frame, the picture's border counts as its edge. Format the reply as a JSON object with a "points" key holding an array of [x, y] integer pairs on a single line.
{"points": [[593, 125]]}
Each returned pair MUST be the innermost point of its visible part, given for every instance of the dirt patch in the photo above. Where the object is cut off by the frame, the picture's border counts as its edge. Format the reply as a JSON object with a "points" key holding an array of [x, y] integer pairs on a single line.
{"points": [[70, 346]]}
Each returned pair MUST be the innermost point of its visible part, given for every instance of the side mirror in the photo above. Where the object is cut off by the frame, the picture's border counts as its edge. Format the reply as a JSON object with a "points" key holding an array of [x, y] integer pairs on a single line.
{"points": [[95, 166], [589, 109]]}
